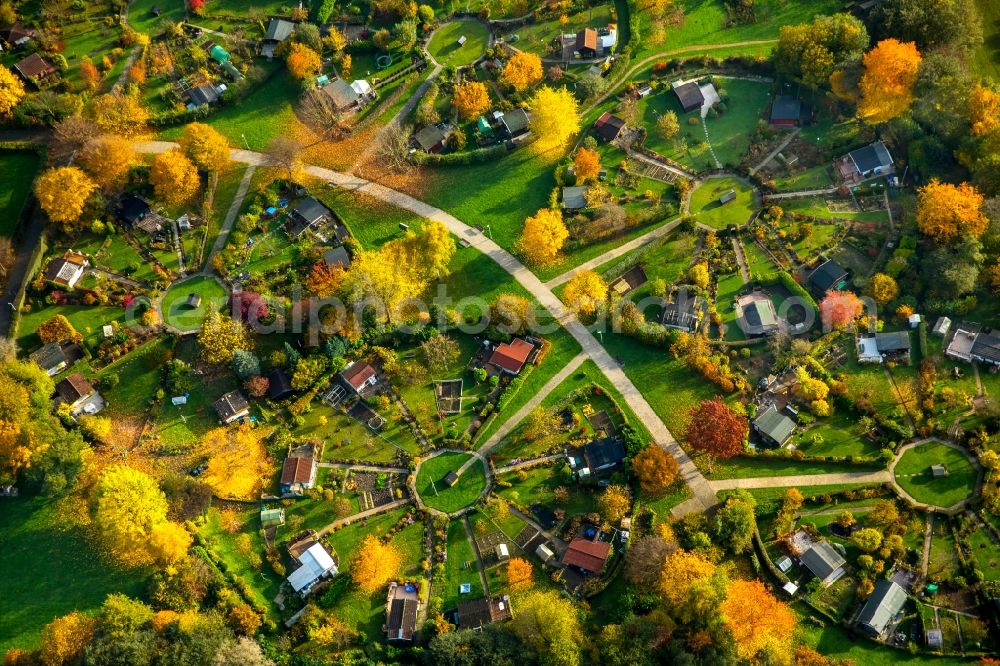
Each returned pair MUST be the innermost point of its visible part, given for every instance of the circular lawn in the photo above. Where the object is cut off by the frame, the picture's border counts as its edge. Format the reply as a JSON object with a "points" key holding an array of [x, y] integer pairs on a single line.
{"points": [[914, 475], [434, 490], [185, 313], [708, 208], [444, 46]]}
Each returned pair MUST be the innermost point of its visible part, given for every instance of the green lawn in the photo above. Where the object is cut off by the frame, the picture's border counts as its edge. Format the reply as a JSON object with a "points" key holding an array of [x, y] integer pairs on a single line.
{"points": [[444, 46], [459, 568], [179, 314], [984, 552], [535, 37], [745, 468], [17, 172], [987, 57], [539, 486], [706, 208], [821, 207], [86, 319], [813, 178], [944, 562], [839, 438], [50, 569], [913, 473], [371, 221], [436, 494]]}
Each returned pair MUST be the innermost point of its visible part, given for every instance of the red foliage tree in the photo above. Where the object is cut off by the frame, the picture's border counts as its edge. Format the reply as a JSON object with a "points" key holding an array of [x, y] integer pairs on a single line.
{"points": [[839, 309], [196, 5], [716, 429], [248, 306]]}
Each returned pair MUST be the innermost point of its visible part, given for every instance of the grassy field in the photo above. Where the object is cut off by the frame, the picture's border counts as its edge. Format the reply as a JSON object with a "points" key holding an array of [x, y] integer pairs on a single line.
{"points": [[839, 437], [746, 468], [86, 319], [459, 568], [177, 313], [987, 57], [913, 474], [944, 562], [984, 552], [707, 209], [50, 569], [17, 171], [539, 487], [444, 46], [436, 494], [372, 221], [816, 177]]}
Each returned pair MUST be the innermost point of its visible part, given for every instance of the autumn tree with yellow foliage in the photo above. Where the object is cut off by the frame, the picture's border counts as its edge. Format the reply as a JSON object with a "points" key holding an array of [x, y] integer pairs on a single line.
{"points": [[586, 165], [760, 623], [614, 503], [174, 177], [585, 292], [11, 92], [891, 70], [984, 110], [130, 514], [62, 193], [946, 212], [325, 280], [522, 71], [374, 564], [883, 288], [237, 461], [118, 113], [205, 146], [65, 638], [471, 99], [656, 469], [555, 117], [221, 337], [107, 159], [302, 61], [543, 236]]}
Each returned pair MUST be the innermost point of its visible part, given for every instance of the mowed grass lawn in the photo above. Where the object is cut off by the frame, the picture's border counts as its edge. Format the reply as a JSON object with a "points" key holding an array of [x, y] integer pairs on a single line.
{"points": [[179, 314], [17, 172], [708, 209], [88, 320], [435, 493], [987, 57], [459, 568], [913, 474], [50, 569], [444, 46]]}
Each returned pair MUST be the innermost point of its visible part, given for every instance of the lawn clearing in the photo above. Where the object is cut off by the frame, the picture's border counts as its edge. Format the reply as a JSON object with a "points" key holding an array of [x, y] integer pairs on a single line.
{"points": [[17, 172], [913, 474], [944, 562], [986, 61], [707, 207], [88, 320], [836, 436], [539, 487], [436, 493], [179, 313], [50, 569], [444, 46], [460, 568]]}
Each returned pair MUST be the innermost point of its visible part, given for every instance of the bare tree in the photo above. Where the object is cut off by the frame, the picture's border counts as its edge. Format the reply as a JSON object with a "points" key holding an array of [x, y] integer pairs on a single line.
{"points": [[70, 135], [285, 154], [320, 113], [393, 151]]}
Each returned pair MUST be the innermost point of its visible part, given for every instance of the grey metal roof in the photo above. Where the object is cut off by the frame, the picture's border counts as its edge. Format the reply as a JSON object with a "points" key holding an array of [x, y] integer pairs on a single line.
{"points": [[871, 157], [827, 275], [278, 30], [893, 341], [515, 121], [774, 425], [786, 108], [822, 559], [574, 197], [987, 347], [310, 210], [49, 356], [341, 92], [429, 137], [690, 96], [885, 601], [760, 316]]}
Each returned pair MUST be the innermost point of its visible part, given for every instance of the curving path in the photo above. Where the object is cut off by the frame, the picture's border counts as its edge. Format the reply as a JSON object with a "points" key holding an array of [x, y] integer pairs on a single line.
{"points": [[704, 495]]}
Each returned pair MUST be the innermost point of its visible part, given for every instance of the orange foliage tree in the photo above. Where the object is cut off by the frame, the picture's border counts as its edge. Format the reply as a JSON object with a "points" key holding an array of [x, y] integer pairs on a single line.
{"points": [[946, 211], [657, 470], [758, 621], [89, 74], [586, 165], [302, 61], [984, 110], [108, 160], [471, 99], [520, 574], [11, 91], [374, 564], [523, 70], [57, 329], [839, 309], [891, 69], [714, 428], [325, 280]]}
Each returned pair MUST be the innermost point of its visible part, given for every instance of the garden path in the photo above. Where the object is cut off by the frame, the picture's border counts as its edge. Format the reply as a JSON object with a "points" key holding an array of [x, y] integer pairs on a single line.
{"points": [[127, 281], [741, 259], [128, 65], [361, 516], [704, 496], [801, 193], [925, 556], [231, 214], [881, 476], [475, 551], [614, 253], [522, 413], [781, 146], [365, 468], [528, 463]]}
